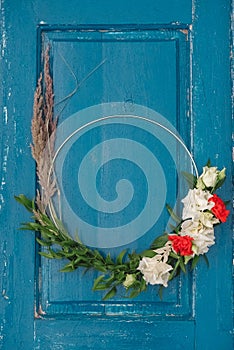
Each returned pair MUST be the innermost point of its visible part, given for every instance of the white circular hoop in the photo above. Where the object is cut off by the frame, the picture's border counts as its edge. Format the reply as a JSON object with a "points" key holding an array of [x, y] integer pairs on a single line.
{"points": [[96, 121]]}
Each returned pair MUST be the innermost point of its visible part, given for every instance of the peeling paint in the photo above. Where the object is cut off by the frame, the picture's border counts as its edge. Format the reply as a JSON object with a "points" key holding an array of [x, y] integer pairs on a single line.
{"points": [[3, 29], [191, 87], [185, 32], [3, 177], [4, 270], [9, 92], [5, 114], [36, 315], [40, 311], [1, 330], [4, 294]]}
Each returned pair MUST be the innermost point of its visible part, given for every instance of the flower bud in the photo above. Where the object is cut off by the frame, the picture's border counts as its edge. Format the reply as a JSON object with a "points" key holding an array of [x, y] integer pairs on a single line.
{"points": [[130, 279]]}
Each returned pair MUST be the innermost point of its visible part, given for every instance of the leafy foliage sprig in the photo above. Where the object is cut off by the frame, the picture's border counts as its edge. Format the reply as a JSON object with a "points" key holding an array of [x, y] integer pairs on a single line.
{"points": [[60, 245]]}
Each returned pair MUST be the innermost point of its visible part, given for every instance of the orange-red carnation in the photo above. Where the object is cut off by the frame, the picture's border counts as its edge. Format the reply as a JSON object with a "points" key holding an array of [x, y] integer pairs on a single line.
{"points": [[219, 209], [181, 244]]}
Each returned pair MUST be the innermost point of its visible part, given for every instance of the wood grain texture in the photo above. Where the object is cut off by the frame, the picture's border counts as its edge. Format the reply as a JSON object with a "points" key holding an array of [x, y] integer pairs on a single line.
{"points": [[117, 332], [17, 175], [141, 67], [212, 107], [209, 325]]}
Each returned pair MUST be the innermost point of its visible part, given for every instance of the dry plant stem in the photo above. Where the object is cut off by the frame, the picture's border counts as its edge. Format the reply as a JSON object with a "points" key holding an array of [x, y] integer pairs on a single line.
{"points": [[43, 134], [37, 127], [49, 95]]}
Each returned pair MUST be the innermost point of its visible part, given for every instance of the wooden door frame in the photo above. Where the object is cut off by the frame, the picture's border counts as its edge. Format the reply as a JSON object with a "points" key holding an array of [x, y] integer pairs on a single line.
{"points": [[17, 249]]}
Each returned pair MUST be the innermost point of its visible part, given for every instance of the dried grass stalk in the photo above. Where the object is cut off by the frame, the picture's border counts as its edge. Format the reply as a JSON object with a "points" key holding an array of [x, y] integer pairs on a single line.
{"points": [[43, 134]]}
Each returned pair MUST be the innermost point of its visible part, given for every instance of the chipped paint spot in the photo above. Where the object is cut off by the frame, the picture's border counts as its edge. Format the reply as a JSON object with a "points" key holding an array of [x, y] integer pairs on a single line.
{"points": [[1, 330], [4, 170], [191, 86], [4, 270], [5, 114], [40, 311], [185, 32], [4, 294], [9, 93], [3, 29]]}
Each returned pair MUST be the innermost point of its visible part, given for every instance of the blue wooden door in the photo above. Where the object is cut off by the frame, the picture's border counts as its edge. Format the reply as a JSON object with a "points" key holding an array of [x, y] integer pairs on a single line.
{"points": [[124, 74]]}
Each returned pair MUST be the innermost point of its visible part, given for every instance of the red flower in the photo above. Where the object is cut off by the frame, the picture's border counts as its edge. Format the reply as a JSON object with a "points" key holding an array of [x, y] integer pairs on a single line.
{"points": [[182, 244], [219, 209]]}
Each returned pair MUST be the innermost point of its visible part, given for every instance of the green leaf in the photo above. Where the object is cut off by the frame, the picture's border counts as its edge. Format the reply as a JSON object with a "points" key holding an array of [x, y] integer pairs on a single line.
{"points": [[102, 286], [46, 220], [98, 255], [43, 243], [68, 255], [173, 215], [26, 202], [119, 259], [78, 260], [174, 255], [68, 243], [80, 251], [206, 260], [68, 268], [110, 294], [190, 178], [173, 228], [143, 285], [77, 238], [174, 271], [195, 261], [133, 264], [149, 253], [208, 163], [110, 280], [59, 225], [134, 293], [182, 266], [32, 226], [159, 242], [99, 267], [218, 184], [46, 255], [109, 261], [58, 255], [160, 292], [187, 258], [97, 281]]}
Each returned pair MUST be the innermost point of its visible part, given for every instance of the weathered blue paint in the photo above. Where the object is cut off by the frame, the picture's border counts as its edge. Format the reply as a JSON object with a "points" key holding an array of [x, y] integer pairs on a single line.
{"points": [[198, 316], [212, 107], [117, 332]]}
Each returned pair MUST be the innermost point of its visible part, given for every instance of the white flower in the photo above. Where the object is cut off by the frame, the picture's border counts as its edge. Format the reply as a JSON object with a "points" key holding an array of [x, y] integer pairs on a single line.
{"points": [[207, 219], [203, 242], [155, 271], [129, 280], [222, 174], [200, 184], [210, 177], [203, 236], [163, 253], [196, 201]]}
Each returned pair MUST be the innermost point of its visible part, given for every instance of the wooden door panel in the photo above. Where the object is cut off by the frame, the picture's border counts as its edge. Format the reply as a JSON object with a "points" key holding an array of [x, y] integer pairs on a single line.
{"points": [[177, 58], [69, 336], [122, 71]]}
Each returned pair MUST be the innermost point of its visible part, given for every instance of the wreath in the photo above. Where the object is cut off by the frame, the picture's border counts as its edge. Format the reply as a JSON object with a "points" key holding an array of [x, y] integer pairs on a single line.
{"points": [[169, 254]]}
